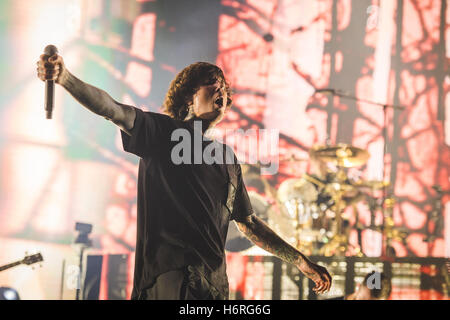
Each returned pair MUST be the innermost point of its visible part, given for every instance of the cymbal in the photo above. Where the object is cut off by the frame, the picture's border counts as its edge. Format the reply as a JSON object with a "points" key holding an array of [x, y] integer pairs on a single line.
{"points": [[342, 155]]}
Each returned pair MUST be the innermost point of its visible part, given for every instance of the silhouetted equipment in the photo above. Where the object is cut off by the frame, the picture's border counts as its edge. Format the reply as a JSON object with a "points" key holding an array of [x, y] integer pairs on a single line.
{"points": [[84, 229], [84, 242], [109, 271], [28, 260], [49, 50]]}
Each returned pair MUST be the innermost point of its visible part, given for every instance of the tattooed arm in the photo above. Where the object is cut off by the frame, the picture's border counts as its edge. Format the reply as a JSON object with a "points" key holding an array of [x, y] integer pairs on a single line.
{"points": [[92, 98], [263, 236]]}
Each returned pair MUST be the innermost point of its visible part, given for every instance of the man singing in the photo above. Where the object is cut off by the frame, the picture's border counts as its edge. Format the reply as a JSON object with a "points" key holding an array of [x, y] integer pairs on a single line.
{"points": [[183, 208]]}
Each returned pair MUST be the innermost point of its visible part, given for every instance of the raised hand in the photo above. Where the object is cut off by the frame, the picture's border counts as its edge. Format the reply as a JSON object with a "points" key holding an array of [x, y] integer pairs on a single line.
{"points": [[51, 68]]}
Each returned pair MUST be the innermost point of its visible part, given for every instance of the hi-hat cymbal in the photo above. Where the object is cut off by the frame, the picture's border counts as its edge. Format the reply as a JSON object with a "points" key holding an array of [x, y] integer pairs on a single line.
{"points": [[342, 155]]}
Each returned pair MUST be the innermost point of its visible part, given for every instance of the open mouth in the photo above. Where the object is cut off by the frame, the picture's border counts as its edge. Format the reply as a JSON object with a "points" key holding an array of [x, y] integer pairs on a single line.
{"points": [[219, 102]]}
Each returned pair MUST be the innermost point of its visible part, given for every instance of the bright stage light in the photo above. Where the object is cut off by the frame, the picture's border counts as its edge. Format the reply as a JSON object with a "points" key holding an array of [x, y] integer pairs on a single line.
{"points": [[8, 294]]}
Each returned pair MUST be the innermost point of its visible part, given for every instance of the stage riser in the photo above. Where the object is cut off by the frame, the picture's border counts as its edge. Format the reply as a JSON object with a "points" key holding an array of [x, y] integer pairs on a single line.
{"points": [[109, 277]]}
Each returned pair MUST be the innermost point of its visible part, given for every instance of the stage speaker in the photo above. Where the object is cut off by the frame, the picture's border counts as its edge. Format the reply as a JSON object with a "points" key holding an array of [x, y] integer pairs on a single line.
{"points": [[91, 285], [107, 277]]}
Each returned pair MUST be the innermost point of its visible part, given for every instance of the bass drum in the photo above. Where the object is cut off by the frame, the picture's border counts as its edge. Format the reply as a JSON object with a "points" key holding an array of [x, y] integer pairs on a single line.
{"points": [[236, 241], [298, 199]]}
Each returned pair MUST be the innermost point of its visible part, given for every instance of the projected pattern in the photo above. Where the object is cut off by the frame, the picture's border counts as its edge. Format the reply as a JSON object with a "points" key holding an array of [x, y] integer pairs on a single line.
{"points": [[274, 54], [275, 57]]}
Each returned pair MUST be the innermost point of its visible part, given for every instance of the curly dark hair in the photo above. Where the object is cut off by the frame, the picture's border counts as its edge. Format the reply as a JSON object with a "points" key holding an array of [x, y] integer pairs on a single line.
{"points": [[185, 85]]}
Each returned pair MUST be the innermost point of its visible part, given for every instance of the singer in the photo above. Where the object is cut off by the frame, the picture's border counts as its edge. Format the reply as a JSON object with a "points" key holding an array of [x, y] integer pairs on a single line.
{"points": [[183, 210]]}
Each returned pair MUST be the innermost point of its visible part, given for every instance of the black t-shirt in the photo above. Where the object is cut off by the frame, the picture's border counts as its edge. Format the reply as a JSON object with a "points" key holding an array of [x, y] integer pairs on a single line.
{"points": [[183, 209]]}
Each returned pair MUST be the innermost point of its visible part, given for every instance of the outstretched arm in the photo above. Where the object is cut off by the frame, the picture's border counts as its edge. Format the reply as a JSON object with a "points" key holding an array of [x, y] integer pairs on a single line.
{"points": [[263, 236], [94, 99]]}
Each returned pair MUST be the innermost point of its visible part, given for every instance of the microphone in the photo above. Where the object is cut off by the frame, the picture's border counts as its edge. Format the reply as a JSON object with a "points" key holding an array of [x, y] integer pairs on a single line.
{"points": [[49, 50], [301, 28], [325, 91]]}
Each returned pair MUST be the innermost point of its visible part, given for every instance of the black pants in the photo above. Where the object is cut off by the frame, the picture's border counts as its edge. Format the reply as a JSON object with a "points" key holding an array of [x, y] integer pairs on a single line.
{"points": [[182, 284]]}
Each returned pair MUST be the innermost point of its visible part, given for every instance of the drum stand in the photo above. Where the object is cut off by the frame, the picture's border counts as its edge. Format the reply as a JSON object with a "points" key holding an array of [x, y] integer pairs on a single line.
{"points": [[387, 201], [339, 243], [306, 248]]}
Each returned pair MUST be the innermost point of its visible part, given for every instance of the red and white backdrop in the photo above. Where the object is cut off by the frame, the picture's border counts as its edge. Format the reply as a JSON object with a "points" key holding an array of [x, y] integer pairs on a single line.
{"points": [[274, 53]]}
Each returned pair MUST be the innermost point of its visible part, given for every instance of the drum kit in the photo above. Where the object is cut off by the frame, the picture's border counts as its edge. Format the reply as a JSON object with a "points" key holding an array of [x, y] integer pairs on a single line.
{"points": [[313, 205], [308, 211]]}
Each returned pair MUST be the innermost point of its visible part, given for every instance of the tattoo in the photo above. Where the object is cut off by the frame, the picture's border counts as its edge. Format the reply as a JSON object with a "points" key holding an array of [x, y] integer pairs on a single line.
{"points": [[100, 102], [94, 99], [263, 236]]}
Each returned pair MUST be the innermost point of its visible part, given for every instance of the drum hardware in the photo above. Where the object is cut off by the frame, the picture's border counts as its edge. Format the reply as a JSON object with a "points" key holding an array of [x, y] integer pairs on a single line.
{"points": [[345, 95], [301, 217], [349, 157], [293, 158], [373, 204], [435, 223], [319, 228], [337, 190], [316, 225], [389, 231], [298, 223], [372, 185], [342, 156], [359, 228], [317, 182]]}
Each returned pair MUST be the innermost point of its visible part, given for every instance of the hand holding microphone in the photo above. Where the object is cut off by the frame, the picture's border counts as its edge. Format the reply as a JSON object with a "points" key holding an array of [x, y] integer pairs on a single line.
{"points": [[325, 91], [50, 68]]}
